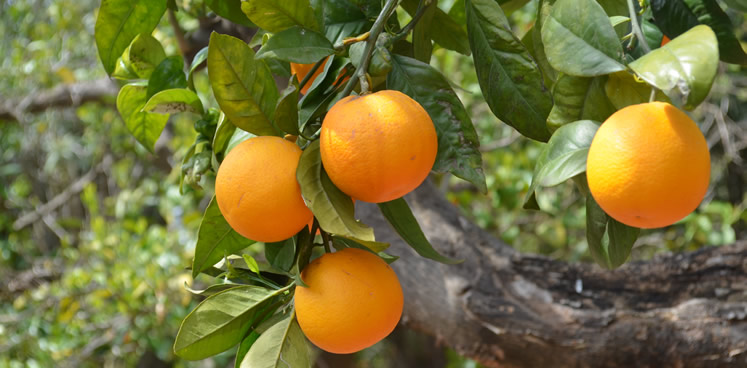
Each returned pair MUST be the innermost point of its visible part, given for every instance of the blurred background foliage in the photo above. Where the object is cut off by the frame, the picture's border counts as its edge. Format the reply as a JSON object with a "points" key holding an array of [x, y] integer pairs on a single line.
{"points": [[97, 280]]}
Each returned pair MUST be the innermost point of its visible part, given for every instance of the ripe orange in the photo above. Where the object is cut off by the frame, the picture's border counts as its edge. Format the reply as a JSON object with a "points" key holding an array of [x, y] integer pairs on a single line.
{"points": [[664, 40], [257, 190], [648, 165], [301, 70], [354, 300], [378, 147]]}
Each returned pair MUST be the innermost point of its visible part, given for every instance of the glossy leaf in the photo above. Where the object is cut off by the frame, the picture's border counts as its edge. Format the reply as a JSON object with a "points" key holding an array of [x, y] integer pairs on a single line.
{"points": [[286, 112], [579, 39], [168, 74], [281, 254], [296, 45], [610, 242], [563, 157], [120, 21], [223, 133], [243, 87], [399, 215], [173, 101], [458, 145], [333, 209], [231, 10], [623, 90], [342, 19], [278, 15], [212, 289], [675, 17], [215, 238], [145, 127], [199, 58], [533, 42], [143, 55], [221, 321], [510, 80], [686, 66], [578, 98], [443, 29], [281, 345]]}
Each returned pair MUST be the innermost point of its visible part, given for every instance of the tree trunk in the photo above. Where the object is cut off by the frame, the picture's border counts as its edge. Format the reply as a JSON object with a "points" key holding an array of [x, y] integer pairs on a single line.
{"points": [[506, 309]]}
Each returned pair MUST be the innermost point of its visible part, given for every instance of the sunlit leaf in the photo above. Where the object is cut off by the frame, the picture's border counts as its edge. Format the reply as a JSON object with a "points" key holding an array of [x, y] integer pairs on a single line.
{"points": [[172, 101], [278, 15], [281, 345], [145, 127], [143, 55]]}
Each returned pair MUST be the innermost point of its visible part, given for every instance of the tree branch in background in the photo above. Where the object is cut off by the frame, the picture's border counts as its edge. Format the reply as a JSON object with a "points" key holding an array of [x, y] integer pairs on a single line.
{"points": [[66, 95]]}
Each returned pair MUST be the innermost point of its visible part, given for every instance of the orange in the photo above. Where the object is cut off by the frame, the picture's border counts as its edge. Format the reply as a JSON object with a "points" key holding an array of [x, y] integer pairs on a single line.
{"points": [[648, 165], [353, 300], [378, 147], [257, 191], [664, 40], [301, 70]]}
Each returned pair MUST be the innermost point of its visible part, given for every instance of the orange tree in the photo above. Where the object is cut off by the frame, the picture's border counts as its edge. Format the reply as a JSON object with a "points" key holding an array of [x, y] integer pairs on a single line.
{"points": [[367, 117]]}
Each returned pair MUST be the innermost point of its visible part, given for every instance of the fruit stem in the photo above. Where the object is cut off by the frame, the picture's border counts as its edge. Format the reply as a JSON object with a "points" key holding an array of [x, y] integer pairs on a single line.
{"points": [[422, 7], [325, 236], [311, 73], [378, 26], [636, 28]]}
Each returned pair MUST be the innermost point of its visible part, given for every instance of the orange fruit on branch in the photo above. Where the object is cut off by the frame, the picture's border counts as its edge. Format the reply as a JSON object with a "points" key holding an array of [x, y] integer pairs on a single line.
{"points": [[378, 147], [302, 70], [353, 300], [257, 190], [648, 165]]}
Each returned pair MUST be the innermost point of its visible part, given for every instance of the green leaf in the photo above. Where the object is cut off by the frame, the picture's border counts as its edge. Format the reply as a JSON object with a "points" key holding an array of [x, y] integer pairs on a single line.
{"points": [[443, 29], [169, 74], [422, 47], [686, 66], [199, 58], [740, 5], [618, 19], [223, 134], [563, 157], [243, 87], [342, 19], [251, 263], [278, 15], [143, 55], [675, 17], [333, 209], [281, 254], [373, 246], [221, 321], [533, 42], [296, 45], [231, 10], [244, 347], [579, 39], [578, 98], [175, 100], [144, 126], [119, 22], [282, 345], [623, 90], [215, 238], [610, 242], [212, 289], [458, 145], [509, 78], [286, 113], [399, 215]]}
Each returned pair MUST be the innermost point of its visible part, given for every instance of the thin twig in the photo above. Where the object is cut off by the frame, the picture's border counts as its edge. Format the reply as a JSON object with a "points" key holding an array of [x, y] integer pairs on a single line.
{"points": [[378, 26], [636, 27], [178, 32], [422, 7]]}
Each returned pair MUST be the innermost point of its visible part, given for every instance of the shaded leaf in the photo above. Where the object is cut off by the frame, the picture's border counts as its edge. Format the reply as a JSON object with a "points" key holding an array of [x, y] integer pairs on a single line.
{"points": [[199, 58], [231, 10], [221, 321], [458, 145], [119, 22], [215, 238], [278, 15], [610, 242], [340, 243], [332, 208], [443, 29], [169, 74], [243, 87], [145, 127], [578, 98], [399, 215], [296, 45], [172, 101], [281, 254], [286, 112], [223, 133], [623, 90], [342, 19], [509, 78], [563, 157], [686, 66]]}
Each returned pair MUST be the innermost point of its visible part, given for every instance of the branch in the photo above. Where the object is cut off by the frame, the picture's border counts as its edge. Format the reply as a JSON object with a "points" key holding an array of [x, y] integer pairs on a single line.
{"points": [[508, 309], [67, 95]]}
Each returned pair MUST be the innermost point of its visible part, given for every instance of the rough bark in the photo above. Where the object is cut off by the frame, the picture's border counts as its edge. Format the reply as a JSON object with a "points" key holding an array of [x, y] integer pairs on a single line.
{"points": [[65, 95], [507, 309]]}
